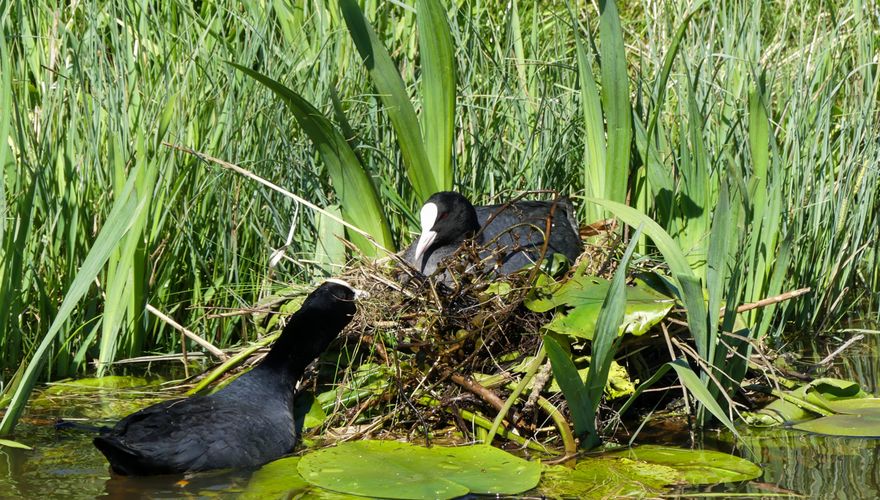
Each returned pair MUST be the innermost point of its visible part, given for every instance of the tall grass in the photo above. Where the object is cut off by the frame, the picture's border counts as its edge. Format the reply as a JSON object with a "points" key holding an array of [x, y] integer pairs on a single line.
{"points": [[771, 108]]}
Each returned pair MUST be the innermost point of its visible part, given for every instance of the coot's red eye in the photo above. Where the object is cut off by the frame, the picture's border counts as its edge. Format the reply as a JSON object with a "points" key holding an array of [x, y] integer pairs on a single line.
{"points": [[443, 216]]}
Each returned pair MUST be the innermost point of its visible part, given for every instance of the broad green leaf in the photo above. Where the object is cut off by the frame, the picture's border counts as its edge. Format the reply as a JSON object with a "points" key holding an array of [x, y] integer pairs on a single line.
{"points": [[865, 424], [410, 471], [601, 478], [696, 466], [644, 307], [280, 479], [437, 59], [354, 188], [394, 96]]}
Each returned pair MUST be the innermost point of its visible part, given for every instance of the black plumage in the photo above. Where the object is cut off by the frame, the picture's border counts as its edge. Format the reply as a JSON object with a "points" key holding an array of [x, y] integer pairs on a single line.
{"points": [[511, 240], [245, 424]]}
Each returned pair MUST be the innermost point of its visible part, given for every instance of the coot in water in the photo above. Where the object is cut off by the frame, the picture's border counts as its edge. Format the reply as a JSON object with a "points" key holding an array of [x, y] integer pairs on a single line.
{"points": [[513, 238], [245, 424]]}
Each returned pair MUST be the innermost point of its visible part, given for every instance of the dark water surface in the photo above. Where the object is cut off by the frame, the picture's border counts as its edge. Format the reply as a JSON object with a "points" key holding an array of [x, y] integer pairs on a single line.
{"points": [[64, 464]]}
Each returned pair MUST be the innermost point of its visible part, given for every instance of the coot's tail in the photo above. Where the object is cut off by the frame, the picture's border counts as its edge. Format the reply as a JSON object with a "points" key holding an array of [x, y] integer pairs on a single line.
{"points": [[76, 426]]}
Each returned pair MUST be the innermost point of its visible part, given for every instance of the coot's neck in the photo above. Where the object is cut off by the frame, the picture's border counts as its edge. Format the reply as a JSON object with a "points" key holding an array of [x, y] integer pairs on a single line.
{"points": [[304, 338]]}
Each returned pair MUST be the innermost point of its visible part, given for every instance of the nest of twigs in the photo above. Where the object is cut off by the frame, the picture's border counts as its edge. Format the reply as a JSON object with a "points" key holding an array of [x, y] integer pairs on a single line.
{"points": [[449, 356]]}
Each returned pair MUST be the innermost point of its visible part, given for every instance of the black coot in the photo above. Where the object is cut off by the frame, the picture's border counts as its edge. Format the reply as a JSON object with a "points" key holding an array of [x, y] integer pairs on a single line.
{"points": [[513, 238], [245, 424]]}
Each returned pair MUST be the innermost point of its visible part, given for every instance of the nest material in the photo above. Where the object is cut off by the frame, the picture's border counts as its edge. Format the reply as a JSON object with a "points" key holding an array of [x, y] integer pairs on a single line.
{"points": [[451, 352]]}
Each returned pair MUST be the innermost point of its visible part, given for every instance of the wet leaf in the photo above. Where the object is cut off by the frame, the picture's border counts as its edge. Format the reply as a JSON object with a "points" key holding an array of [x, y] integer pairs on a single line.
{"points": [[410, 471], [696, 466], [820, 397], [866, 424], [644, 308], [607, 478], [280, 479]]}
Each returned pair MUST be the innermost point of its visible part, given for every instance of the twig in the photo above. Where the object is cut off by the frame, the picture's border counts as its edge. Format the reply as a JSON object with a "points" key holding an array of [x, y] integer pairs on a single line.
{"points": [[769, 301], [195, 338], [474, 387], [841, 348]]}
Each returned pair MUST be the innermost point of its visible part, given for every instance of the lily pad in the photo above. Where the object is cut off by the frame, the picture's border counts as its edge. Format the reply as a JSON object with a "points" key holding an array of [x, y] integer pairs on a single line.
{"points": [[280, 479], [696, 466], [410, 471], [865, 424], [820, 397], [607, 478], [584, 295]]}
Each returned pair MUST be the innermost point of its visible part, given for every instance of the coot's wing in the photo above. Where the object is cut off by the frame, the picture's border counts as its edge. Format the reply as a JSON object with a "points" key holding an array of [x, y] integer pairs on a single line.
{"points": [[518, 231], [194, 434]]}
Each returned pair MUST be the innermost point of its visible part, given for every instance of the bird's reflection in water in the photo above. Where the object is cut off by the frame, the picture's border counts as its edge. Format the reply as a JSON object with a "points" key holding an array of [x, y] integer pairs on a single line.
{"points": [[211, 484]]}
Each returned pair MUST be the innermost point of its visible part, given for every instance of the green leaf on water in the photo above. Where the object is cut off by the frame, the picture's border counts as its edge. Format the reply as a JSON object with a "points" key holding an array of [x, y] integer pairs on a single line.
{"points": [[14, 444], [696, 466], [410, 471], [280, 479], [865, 424], [607, 478]]}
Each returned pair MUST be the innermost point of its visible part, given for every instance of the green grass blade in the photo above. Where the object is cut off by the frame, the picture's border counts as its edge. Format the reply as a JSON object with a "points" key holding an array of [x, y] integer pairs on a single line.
{"points": [[616, 101], [437, 57], [566, 375], [125, 211], [394, 96], [717, 264], [594, 124], [668, 59], [354, 188], [606, 339], [698, 389]]}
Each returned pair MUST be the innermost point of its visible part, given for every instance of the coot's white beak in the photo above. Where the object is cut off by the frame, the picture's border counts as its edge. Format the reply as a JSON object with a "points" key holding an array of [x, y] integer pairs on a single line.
{"points": [[428, 217], [358, 294]]}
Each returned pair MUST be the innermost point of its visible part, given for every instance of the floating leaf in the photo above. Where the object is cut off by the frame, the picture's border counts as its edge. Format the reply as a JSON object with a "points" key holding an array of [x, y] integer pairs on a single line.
{"points": [[644, 308], [865, 424], [409, 471], [607, 478], [696, 466], [822, 397], [280, 479]]}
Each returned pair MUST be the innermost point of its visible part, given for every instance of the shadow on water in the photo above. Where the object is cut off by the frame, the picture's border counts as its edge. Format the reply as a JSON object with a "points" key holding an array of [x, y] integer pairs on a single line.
{"points": [[65, 464]]}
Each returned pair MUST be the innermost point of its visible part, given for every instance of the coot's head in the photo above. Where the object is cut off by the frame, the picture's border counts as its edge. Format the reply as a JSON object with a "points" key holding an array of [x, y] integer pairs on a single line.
{"points": [[446, 217], [333, 301]]}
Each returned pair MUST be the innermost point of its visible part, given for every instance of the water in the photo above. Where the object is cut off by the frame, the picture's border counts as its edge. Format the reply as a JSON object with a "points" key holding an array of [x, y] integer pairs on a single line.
{"points": [[65, 464]]}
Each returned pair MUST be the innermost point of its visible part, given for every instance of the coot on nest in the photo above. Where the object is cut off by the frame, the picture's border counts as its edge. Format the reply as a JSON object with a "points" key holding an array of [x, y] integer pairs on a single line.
{"points": [[245, 424], [512, 239]]}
